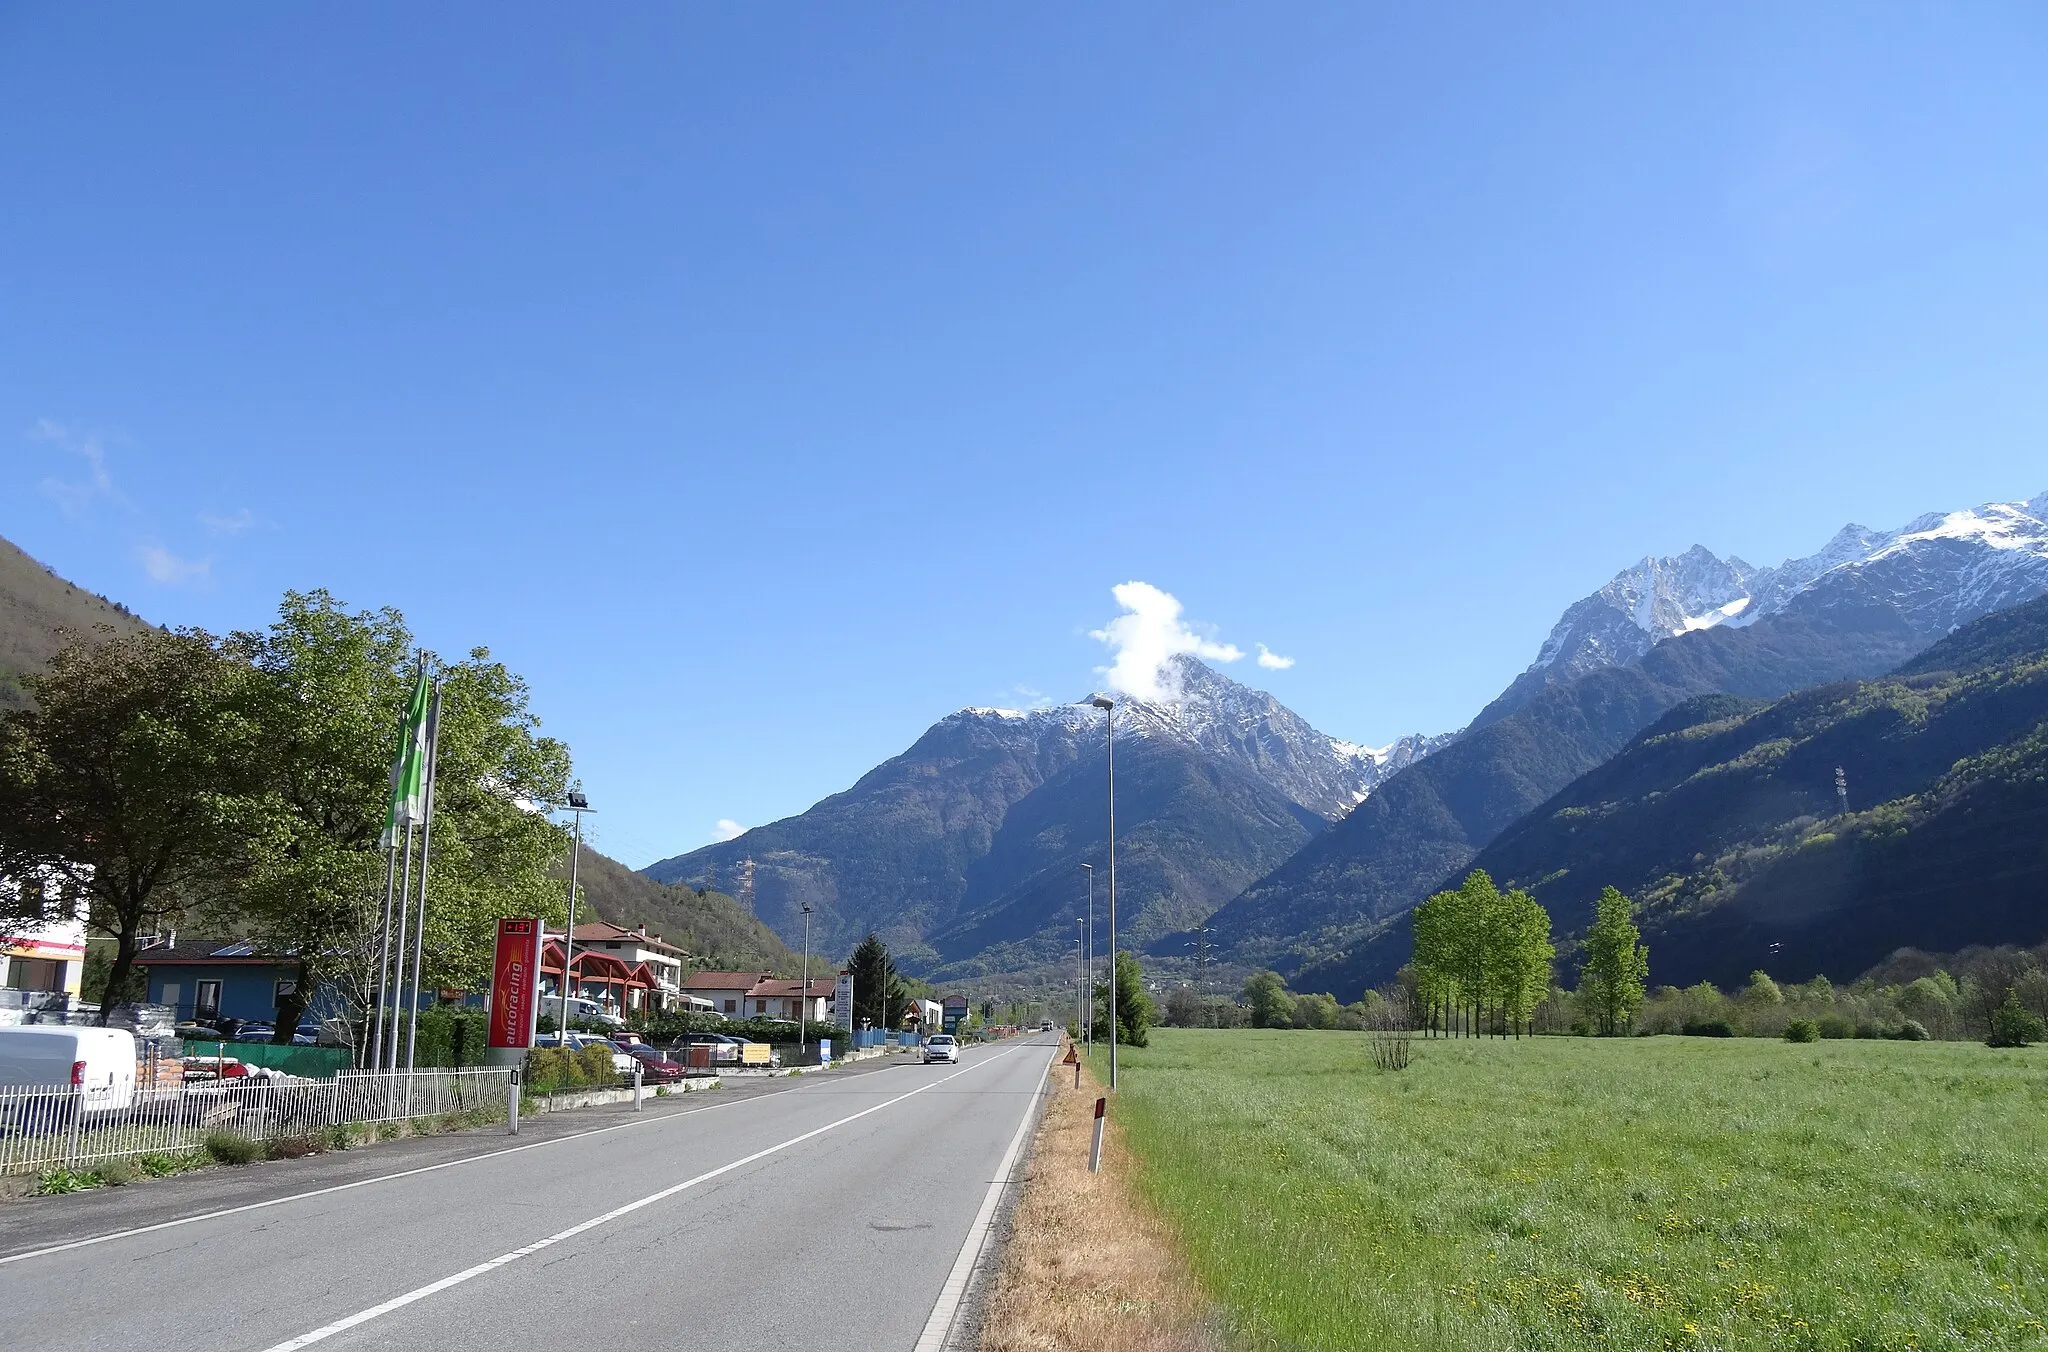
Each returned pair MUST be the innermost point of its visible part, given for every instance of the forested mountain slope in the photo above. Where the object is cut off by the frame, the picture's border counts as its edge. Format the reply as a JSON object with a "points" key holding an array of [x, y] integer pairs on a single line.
{"points": [[1723, 821], [36, 608]]}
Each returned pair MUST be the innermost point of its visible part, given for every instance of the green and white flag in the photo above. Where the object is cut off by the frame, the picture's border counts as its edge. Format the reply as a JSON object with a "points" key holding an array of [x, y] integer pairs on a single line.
{"points": [[408, 771]]}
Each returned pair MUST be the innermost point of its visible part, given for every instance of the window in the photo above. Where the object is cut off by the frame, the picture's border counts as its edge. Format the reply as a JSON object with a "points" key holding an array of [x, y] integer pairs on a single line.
{"points": [[206, 1004], [170, 995], [731, 1007], [283, 991]]}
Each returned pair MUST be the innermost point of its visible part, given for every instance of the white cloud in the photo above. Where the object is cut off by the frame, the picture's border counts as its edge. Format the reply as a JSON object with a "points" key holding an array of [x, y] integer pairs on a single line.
{"points": [[1271, 660], [227, 525], [167, 568], [1149, 632], [729, 829], [71, 496]]}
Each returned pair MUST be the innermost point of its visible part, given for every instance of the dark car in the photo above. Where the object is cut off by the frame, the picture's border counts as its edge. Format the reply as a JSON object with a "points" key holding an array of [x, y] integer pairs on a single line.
{"points": [[654, 1067]]}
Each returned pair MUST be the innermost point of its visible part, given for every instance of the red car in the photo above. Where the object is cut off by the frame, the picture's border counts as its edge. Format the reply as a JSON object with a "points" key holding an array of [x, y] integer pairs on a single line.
{"points": [[654, 1067]]}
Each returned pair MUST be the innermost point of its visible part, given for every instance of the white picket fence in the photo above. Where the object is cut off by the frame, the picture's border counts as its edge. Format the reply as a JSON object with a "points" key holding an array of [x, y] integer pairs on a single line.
{"points": [[47, 1125]]}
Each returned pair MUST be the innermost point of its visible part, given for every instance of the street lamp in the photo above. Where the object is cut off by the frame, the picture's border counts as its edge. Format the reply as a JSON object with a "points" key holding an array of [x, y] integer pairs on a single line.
{"points": [[579, 805], [1108, 707], [1089, 1017], [803, 1009], [1081, 970]]}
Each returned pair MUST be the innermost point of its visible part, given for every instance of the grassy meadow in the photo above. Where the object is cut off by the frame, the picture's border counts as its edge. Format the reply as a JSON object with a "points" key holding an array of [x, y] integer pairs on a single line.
{"points": [[1628, 1193]]}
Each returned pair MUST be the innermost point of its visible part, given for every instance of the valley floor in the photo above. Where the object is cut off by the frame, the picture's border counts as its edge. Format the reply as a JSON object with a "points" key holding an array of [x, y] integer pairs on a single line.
{"points": [[1630, 1193]]}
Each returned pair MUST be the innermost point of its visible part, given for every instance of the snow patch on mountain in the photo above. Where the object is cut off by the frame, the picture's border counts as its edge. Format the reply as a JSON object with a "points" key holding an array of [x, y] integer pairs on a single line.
{"points": [[1944, 570], [1234, 722]]}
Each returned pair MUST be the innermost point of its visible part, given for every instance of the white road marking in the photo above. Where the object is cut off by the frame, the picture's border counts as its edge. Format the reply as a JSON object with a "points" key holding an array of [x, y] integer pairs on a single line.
{"points": [[420, 1293], [386, 1178], [933, 1339]]}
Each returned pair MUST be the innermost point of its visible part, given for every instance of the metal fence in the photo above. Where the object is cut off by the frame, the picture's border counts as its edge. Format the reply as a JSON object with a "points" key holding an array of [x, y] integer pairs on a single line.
{"points": [[46, 1125]]}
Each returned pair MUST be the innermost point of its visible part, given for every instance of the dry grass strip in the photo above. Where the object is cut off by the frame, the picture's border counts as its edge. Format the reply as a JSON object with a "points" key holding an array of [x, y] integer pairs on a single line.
{"points": [[1088, 1265]]}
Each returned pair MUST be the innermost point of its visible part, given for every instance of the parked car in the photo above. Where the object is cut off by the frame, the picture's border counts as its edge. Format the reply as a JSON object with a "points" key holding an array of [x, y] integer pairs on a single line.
{"points": [[92, 1068], [725, 1051], [621, 1063], [654, 1067], [253, 1031], [941, 1047]]}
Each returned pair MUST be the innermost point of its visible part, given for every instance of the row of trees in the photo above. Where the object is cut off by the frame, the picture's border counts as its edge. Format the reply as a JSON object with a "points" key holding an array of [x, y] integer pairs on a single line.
{"points": [[239, 785], [1481, 954]]}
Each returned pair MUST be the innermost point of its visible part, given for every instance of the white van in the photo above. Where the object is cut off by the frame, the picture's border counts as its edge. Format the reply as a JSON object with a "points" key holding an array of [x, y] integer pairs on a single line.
{"points": [[97, 1064]]}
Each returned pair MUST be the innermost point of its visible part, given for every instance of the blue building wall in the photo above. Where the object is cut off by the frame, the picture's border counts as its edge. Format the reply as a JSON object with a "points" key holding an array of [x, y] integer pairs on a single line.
{"points": [[247, 991]]}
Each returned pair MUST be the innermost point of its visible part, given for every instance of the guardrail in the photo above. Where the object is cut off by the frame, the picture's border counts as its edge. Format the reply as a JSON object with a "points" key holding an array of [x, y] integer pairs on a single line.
{"points": [[42, 1126]]}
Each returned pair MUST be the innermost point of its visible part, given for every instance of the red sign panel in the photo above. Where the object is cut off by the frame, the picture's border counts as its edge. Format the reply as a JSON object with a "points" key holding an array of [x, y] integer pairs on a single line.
{"points": [[514, 980]]}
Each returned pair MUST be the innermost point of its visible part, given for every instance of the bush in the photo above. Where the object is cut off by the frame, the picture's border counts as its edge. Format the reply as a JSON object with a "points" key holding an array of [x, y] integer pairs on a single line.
{"points": [[58, 1179], [294, 1147], [1912, 1030], [228, 1148], [2013, 1024], [160, 1164], [1710, 1028], [118, 1171], [1835, 1026], [1802, 1030]]}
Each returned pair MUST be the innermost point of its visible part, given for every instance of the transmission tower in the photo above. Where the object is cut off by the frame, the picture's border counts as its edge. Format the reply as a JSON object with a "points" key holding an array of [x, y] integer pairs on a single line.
{"points": [[1842, 789], [747, 884]]}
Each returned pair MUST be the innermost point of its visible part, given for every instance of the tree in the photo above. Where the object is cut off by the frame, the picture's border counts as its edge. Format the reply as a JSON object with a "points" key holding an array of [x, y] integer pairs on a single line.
{"points": [[2013, 1024], [1266, 997], [1316, 1011], [331, 684], [1133, 1005], [1761, 991], [1184, 1007], [131, 784], [1481, 951], [1617, 965], [878, 993]]}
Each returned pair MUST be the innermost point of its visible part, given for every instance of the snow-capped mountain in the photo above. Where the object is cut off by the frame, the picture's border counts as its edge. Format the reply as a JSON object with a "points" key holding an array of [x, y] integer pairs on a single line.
{"points": [[1940, 571], [1234, 722], [970, 842]]}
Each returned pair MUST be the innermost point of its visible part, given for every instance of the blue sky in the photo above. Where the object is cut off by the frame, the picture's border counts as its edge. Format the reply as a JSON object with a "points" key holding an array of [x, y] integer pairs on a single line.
{"points": [[764, 382]]}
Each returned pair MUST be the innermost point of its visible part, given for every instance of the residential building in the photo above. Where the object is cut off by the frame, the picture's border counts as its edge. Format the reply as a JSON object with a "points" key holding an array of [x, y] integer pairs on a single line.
{"points": [[727, 991], [201, 980], [781, 998], [635, 948]]}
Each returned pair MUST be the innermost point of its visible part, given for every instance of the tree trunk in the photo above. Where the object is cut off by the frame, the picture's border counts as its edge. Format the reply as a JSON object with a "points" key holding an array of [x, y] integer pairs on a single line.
{"points": [[117, 975], [293, 1007]]}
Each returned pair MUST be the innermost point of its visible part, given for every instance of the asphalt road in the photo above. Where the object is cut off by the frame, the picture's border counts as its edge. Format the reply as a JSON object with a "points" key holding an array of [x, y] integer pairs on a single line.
{"points": [[830, 1215]]}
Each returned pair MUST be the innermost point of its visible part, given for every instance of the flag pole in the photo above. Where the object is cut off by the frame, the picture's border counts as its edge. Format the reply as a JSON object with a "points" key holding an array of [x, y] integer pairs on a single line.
{"points": [[390, 1060], [376, 1044], [419, 934]]}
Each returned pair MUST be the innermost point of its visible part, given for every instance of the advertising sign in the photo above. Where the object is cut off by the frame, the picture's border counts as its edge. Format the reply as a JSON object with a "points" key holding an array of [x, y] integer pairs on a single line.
{"points": [[515, 982], [842, 1002], [955, 1012]]}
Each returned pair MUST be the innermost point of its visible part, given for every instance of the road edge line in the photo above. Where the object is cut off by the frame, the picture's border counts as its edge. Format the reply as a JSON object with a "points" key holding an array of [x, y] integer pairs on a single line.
{"points": [[940, 1325]]}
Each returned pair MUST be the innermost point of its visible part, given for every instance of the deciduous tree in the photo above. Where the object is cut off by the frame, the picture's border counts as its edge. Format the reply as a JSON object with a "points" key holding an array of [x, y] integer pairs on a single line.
{"points": [[1617, 964]]}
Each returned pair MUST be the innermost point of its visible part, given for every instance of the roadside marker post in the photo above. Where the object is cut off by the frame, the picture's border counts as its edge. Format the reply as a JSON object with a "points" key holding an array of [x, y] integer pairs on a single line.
{"points": [[639, 1104], [1095, 1150], [512, 1103]]}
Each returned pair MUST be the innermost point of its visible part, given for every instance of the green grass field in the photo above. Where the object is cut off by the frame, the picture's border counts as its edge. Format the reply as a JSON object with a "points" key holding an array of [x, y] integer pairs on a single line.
{"points": [[1627, 1193]]}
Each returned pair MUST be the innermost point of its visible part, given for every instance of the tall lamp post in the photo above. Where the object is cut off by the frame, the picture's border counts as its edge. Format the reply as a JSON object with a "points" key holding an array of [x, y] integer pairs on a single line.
{"points": [[579, 805], [1108, 707], [1080, 971], [803, 1009], [1088, 1017]]}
